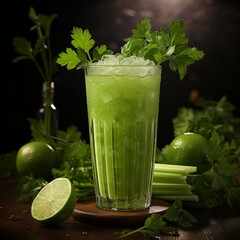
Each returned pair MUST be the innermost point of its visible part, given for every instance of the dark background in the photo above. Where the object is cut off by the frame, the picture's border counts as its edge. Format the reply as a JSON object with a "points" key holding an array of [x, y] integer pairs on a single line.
{"points": [[211, 25]]}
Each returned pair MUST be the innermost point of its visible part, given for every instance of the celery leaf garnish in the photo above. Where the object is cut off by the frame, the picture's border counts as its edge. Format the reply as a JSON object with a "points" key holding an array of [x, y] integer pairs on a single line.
{"points": [[69, 58], [84, 51], [161, 46], [158, 46]]}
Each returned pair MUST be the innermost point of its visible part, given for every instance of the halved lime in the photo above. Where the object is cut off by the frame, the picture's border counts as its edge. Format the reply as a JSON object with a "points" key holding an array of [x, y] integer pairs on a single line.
{"points": [[55, 202]]}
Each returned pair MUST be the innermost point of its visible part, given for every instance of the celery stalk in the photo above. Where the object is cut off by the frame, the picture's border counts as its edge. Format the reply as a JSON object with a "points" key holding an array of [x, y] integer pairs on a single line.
{"points": [[171, 186], [171, 192], [185, 198], [165, 177], [173, 168], [170, 182]]}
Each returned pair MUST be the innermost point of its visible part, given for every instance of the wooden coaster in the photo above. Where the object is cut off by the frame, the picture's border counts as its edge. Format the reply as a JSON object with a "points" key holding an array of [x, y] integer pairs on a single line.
{"points": [[88, 213]]}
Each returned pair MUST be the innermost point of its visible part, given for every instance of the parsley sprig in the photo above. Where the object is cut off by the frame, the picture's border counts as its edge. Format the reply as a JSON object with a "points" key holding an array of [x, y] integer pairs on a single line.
{"points": [[84, 51], [161, 46], [157, 224], [158, 46]]}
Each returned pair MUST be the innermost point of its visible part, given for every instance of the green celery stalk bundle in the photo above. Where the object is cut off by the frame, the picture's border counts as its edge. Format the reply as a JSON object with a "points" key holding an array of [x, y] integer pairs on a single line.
{"points": [[170, 182]]}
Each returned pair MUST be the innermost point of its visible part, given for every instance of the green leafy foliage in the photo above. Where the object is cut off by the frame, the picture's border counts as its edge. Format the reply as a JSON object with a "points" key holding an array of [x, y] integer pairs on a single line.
{"points": [[217, 187], [74, 162], [180, 216], [157, 224], [214, 120], [40, 133], [161, 46], [158, 46], [39, 52], [207, 117], [29, 188], [84, 51]]}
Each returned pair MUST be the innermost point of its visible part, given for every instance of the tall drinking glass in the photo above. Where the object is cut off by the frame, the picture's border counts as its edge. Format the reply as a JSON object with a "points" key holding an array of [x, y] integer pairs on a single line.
{"points": [[123, 104]]}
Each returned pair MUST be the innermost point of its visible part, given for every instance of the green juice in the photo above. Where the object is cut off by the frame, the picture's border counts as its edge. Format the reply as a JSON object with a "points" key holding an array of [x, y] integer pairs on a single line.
{"points": [[123, 104]]}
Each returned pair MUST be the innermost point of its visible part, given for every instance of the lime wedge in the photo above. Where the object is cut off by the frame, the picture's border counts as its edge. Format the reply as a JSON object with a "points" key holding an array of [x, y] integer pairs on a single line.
{"points": [[55, 202]]}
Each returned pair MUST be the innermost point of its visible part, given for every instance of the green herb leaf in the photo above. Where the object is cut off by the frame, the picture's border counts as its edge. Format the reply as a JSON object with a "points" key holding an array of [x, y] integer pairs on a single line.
{"points": [[178, 215], [98, 52], [161, 46], [29, 188], [158, 46], [82, 39], [183, 59], [70, 58], [156, 223], [42, 47], [41, 20], [142, 30], [209, 116], [23, 46], [177, 33], [74, 160], [40, 53], [83, 43]]}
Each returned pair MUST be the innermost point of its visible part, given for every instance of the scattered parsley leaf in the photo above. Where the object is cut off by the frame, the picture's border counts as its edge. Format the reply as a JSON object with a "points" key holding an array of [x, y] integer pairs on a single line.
{"points": [[178, 215], [156, 223]]}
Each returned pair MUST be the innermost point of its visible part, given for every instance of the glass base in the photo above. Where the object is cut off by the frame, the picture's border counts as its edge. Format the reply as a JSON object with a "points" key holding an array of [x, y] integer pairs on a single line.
{"points": [[123, 205]]}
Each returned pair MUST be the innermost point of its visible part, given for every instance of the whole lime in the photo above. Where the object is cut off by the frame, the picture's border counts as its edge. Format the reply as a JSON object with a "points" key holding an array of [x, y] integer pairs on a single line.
{"points": [[189, 149], [36, 158]]}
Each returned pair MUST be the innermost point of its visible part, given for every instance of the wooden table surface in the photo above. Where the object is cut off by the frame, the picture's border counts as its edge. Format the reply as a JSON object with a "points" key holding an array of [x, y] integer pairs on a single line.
{"points": [[16, 223]]}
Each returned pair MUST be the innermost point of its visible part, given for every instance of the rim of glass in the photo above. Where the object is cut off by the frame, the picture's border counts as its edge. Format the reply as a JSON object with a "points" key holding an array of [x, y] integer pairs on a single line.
{"points": [[130, 65]]}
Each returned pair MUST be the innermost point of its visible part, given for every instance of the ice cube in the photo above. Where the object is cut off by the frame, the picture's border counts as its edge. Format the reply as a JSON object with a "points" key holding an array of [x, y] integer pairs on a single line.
{"points": [[123, 62]]}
